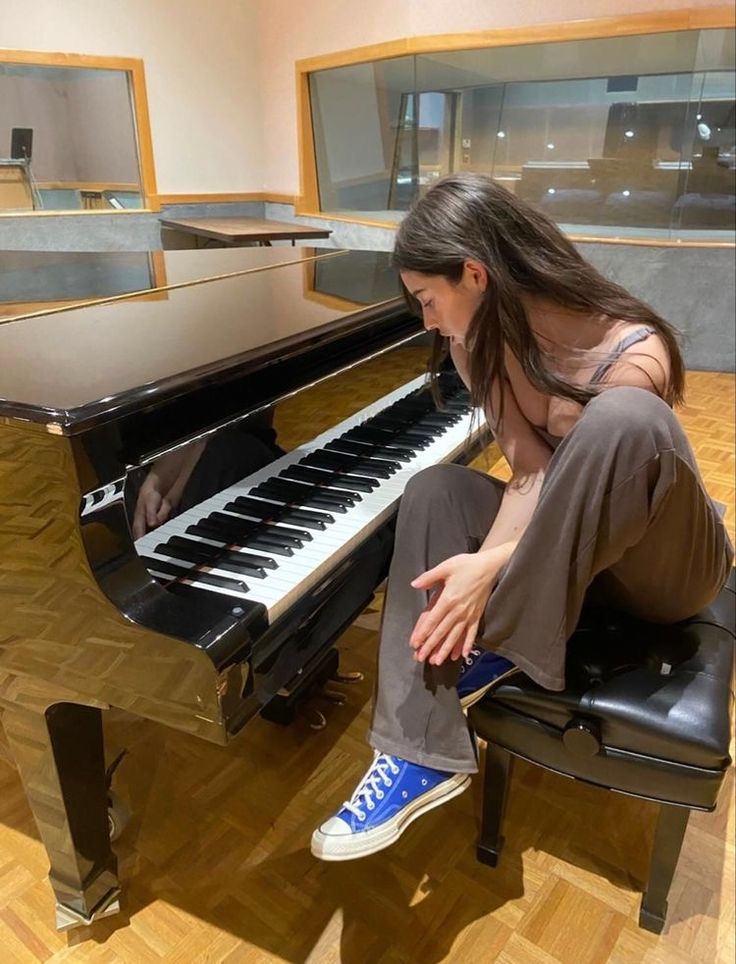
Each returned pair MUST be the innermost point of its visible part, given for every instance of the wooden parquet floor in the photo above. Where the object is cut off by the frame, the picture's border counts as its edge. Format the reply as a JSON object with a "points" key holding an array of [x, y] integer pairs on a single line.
{"points": [[216, 866]]}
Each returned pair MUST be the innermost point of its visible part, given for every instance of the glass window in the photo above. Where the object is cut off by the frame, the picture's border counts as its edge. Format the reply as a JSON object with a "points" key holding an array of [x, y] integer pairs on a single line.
{"points": [[67, 139], [615, 136], [363, 123]]}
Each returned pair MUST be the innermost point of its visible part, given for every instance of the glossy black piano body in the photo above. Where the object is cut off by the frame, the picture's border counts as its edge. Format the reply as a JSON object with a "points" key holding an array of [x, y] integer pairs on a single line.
{"points": [[89, 397]]}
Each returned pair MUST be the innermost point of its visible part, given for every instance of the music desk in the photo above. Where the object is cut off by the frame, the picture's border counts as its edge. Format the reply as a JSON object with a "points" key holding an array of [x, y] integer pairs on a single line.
{"points": [[239, 231]]}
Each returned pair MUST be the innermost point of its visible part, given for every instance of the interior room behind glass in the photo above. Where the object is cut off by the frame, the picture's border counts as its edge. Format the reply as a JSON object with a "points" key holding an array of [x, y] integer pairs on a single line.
{"points": [[634, 133], [67, 139]]}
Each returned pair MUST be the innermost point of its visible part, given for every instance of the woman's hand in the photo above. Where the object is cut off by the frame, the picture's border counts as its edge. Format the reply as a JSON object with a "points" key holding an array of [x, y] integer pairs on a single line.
{"points": [[449, 624], [163, 487], [152, 509]]}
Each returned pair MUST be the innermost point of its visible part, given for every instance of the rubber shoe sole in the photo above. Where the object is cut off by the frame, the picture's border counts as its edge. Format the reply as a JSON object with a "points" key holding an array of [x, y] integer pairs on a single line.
{"points": [[471, 698], [366, 842]]}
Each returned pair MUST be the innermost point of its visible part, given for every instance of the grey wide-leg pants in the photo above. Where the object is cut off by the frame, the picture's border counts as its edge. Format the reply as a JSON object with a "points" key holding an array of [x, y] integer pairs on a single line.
{"points": [[622, 511]]}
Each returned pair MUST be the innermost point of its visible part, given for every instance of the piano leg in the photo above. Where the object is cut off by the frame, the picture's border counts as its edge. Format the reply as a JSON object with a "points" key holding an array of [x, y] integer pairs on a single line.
{"points": [[58, 749]]}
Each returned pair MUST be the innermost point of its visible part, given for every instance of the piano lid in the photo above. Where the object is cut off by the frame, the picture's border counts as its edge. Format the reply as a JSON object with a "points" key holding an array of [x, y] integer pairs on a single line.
{"points": [[65, 367], [42, 281]]}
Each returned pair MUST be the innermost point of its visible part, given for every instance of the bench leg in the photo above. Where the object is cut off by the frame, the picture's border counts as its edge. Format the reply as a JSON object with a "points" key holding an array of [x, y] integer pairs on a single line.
{"points": [[496, 778], [671, 826]]}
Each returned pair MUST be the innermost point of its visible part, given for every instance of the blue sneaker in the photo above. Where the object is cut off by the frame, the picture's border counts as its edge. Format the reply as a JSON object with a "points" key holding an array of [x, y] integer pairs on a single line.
{"points": [[480, 671], [390, 796]]}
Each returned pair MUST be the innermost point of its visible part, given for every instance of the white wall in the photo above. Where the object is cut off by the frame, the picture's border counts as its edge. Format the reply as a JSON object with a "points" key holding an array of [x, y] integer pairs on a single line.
{"points": [[202, 76]]}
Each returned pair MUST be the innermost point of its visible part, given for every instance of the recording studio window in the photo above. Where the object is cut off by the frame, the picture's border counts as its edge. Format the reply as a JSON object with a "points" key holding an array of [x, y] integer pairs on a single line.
{"points": [[68, 139], [616, 137]]}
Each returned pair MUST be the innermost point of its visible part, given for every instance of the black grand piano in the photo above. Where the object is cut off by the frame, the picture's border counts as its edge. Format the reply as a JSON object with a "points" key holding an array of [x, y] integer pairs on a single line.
{"points": [[110, 365]]}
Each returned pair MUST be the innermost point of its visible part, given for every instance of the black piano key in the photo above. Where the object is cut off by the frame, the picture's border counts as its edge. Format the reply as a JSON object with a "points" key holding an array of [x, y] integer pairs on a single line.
{"points": [[230, 562], [398, 426], [207, 579], [274, 512], [245, 562], [264, 537], [323, 477], [418, 403], [434, 420], [208, 532], [179, 551], [414, 403], [271, 491], [294, 494], [370, 450], [206, 554], [269, 545], [324, 482], [187, 549], [168, 568], [241, 528], [233, 562], [334, 496], [408, 413], [342, 462], [378, 469], [442, 422], [382, 436]]}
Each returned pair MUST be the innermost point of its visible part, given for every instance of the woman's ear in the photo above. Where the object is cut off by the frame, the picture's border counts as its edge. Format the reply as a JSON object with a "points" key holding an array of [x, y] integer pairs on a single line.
{"points": [[476, 275]]}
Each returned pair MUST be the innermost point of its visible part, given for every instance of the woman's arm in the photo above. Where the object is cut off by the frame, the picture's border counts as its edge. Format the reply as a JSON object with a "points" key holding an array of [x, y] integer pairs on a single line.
{"points": [[527, 454], [449, 625]]}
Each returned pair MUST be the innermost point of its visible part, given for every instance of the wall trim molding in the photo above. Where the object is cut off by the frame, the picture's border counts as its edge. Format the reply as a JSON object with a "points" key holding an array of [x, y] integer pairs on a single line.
{"points": [[226, 197]]}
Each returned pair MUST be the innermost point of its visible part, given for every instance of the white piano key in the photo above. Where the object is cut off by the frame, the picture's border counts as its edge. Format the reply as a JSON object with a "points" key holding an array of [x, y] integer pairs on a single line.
{"points": [[301, 572]]}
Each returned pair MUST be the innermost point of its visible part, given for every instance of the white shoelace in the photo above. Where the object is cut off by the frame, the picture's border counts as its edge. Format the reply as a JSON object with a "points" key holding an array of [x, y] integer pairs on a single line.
{"points": [[371, 785]]}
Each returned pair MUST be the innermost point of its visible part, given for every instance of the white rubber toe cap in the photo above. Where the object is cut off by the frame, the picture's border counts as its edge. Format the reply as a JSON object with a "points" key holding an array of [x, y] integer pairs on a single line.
{"points": [[334, 827]]}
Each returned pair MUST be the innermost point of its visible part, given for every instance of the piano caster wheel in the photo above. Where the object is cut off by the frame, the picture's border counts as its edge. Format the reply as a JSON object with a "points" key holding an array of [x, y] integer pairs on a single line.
{"points": [[354, 677], [315, 719], [118, 816]]}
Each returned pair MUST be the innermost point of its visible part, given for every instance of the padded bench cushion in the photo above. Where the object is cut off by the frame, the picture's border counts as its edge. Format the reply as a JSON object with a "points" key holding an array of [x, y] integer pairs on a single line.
{"points": [[653, 693]]}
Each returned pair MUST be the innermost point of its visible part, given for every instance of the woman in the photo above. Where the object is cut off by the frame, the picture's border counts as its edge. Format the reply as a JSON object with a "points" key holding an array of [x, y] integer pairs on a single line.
{"points": [[577, 378]]}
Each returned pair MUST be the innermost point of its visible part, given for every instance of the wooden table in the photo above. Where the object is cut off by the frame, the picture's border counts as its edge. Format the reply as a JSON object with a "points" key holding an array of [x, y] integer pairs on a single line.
{"points": [[239, 231]]}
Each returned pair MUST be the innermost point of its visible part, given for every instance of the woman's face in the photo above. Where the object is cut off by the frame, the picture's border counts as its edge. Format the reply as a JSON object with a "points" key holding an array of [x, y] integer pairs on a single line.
{"points": [[448, 307]]}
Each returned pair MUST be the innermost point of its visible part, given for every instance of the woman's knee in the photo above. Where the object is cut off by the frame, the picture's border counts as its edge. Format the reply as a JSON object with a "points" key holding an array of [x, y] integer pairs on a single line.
{"points": [[436, 482], [625, 411]]}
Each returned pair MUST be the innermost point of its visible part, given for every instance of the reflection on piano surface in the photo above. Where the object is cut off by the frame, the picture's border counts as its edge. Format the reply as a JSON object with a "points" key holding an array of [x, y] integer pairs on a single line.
{"points": [[40, 281], [232, 605]]}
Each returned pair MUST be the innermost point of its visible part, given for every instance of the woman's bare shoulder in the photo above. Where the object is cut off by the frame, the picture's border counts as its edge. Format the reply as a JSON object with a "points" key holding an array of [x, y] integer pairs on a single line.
{"points": [[645, 364]]}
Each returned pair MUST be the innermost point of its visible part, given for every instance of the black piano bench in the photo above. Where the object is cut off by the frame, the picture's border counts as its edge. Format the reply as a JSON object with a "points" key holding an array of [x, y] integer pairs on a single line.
{"points": [[646, 711]]}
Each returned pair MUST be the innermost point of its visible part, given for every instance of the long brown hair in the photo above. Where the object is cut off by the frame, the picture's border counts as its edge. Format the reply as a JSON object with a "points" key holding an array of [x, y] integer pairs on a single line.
{"points": [[468, 216]]}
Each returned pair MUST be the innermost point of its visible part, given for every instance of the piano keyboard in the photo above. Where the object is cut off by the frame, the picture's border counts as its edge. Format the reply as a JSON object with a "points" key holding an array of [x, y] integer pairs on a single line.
{"points": [[274, 535]]}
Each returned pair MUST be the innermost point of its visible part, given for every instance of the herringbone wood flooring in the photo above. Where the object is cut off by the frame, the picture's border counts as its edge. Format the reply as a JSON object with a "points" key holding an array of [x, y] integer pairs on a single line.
{"points": [[216, 867]]}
